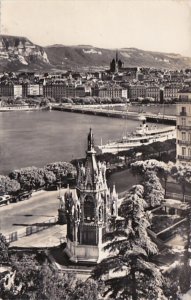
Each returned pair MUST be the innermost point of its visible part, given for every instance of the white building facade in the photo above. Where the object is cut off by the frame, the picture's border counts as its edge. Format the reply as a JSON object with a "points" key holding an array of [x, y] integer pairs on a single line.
{"points": [[183, 141]]}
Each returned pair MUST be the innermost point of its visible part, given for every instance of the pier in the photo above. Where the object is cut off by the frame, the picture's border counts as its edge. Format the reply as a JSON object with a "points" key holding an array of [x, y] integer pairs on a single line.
{"points": [[105, 112]]}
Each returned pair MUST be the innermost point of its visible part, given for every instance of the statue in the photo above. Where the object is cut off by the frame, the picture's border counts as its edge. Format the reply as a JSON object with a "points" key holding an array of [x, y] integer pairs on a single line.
{"points": [[62, 202], [90, 140], [62, 211]]}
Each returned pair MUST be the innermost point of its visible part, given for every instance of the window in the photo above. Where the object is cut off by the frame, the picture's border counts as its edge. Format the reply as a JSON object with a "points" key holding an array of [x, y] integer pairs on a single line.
{"points": [[183, 121], [183, 111], [183, 136], [189, 152], [183, 151], [189, 136], [89, 208]]}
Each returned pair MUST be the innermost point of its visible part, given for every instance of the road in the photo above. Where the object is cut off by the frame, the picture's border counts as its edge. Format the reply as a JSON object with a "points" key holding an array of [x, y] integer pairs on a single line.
{"points": [[42, 206]]}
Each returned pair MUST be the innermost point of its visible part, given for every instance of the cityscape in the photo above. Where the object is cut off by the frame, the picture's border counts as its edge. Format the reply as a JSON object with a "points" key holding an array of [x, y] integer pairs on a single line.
{"points": [[95, 184]]}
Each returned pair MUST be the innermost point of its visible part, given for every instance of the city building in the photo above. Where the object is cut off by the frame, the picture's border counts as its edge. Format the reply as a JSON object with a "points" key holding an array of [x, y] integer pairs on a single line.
{"points": [[184, 94], [34, 90], [110, 91], [7, 90], [136, 91], [170, 92], [58, 91], [89, 208], [183, 143], [153, 91], [17, 90]]}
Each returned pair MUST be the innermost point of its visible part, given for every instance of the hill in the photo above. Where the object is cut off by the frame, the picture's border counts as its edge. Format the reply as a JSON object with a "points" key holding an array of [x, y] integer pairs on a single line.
{"points": [[89, 57], [20, 54]]}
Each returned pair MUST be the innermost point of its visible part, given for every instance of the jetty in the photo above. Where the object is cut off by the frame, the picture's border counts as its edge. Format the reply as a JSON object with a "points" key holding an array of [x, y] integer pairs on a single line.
{"points": [[106, 112]]}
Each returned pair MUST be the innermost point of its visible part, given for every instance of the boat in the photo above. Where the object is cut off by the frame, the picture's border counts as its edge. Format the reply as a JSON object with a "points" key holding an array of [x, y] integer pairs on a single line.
{"points": [[8, 108], [143, 135]]}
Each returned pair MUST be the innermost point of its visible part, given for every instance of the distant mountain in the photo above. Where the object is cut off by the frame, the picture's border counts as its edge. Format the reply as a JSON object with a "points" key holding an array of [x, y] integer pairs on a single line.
{"points": [[89, 57], [20, 54]]}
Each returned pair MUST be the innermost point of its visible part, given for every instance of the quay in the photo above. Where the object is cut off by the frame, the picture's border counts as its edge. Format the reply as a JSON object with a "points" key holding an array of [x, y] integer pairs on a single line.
{"points": [[105, 112]]}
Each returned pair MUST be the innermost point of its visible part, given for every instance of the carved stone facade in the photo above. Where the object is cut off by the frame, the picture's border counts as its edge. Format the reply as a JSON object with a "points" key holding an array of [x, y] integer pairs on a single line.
{"points": [[89, 209]]}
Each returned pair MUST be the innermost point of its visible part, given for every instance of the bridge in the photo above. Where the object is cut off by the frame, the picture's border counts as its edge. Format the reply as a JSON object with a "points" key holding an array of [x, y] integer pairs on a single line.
{"points": [[105, 112]]}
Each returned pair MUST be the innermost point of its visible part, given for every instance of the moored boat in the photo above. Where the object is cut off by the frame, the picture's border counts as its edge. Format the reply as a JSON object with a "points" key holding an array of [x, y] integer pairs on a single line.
{"points": [[8, 108], [143, 135]]}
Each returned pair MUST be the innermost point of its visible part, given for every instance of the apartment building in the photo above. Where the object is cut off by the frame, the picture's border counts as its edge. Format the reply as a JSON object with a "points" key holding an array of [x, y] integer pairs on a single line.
{"points": [[183, 141], [153, 92], [184, 94], [136, 91], [58, 91], [7, 90], [170, 92], [114, 91]]}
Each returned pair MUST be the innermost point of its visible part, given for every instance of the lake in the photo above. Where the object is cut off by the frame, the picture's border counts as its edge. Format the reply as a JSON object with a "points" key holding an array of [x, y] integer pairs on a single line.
{"points": [[40, 137]]}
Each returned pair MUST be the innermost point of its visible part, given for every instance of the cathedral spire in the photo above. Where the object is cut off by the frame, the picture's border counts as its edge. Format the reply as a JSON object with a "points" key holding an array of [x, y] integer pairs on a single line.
{"points": [[116, 59]]}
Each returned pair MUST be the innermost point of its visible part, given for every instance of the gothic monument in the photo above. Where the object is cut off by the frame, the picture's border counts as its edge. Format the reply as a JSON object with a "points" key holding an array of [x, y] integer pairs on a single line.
{"points": [[89, 209]]}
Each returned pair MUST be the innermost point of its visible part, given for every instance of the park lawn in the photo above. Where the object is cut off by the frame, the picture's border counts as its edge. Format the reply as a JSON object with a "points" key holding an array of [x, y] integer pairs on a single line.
{"points": [[124, 180]]}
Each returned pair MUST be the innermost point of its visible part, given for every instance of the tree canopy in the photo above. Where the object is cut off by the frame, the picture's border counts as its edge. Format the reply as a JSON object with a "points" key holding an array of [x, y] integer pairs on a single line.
{"points": [[128, 272], [32, 177], [61, 169], [37, 279], [8, 185], [4, 252], [153, 190]]}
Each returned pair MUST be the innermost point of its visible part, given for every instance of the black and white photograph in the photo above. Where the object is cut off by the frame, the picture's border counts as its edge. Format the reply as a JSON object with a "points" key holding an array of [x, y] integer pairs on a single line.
{"points": [[95, 149]]}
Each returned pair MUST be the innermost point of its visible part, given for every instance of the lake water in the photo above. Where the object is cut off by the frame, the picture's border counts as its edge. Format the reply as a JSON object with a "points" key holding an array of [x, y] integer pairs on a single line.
{"points": [[40, 137]]}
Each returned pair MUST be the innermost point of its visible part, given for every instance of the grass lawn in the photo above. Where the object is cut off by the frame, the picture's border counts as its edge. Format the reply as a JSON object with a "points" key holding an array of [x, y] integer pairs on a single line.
{"points": [[124, 180], [176, 188]]}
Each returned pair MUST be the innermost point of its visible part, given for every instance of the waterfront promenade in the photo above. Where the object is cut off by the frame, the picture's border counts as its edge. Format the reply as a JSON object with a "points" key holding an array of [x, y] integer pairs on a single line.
{"points": [[106, 112]]}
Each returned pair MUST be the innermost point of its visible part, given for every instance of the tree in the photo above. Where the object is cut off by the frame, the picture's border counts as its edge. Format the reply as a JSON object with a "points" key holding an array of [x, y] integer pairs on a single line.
{"points": [[4, 249], [159, 147], [162, 169], [39, 280], [8, 185], [185, 278], [32, 177], [129, 270], [153, 190], [61, 169], [171, 276], [182, 174], [49, 176], [88, 290]]}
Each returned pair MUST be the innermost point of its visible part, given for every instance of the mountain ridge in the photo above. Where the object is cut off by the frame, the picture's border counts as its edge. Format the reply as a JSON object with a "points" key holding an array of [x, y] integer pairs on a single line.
{"points": [[18, 53], [90, 56]]}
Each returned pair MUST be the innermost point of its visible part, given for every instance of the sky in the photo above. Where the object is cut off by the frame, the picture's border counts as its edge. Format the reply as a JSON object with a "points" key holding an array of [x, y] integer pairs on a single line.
{"points": [[155, 25]]}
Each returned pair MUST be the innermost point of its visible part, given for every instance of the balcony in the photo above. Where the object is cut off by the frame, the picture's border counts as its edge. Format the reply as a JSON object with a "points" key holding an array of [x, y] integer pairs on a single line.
{"points": [[183, 127], [183, 113], [184, 157], [184, 142]]}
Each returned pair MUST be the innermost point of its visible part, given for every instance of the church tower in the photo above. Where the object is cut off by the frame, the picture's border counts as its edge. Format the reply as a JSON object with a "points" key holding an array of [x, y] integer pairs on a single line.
{"points": [[89, 208], [116, 64]]}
